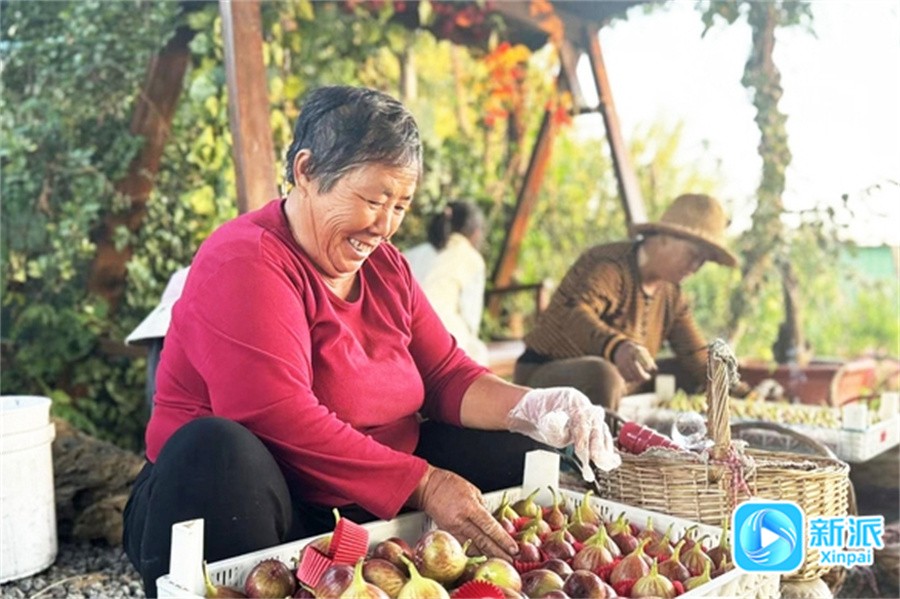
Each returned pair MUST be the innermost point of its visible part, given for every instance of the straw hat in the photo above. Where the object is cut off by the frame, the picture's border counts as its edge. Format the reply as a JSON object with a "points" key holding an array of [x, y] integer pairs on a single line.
{"points": [[698, 218]]}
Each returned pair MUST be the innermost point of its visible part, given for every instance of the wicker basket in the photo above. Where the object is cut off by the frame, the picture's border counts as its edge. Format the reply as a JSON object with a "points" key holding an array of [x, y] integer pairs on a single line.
{"points": [[707, 487]]}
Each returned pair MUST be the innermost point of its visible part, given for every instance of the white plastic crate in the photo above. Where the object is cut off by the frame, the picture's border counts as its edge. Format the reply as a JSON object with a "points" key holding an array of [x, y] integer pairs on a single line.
{"points": [[541, 471], [857, 446]]}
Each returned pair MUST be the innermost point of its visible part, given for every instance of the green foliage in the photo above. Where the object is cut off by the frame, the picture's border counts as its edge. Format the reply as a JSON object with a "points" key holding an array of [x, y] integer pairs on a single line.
{"points": [[70, 74]]}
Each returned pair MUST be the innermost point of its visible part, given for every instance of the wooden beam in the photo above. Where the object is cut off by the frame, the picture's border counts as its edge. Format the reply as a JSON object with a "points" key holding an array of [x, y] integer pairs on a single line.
{"points": [[152, 119], [248, 103], [629, 190], [525, 203], [568, 62]]}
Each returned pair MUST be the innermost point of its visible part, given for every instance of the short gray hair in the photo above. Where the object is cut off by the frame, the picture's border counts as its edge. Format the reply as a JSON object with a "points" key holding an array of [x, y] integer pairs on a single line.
{"points": [[346, 127]]}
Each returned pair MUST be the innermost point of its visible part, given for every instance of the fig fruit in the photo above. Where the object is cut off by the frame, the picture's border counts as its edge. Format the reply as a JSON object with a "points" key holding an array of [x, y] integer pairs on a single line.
{"points": [[556, 518], [695, 560], [359, 588], [390, 550], [695, 581], [538, 583], [334, 580], [585, 512], [303, 592], [587, 585], [439, 556], [633, 566], [527, 507], [620, 532], [649, 532], [721, 553], [420, 587], [385, 575], [505, 510], [499, 572], [270, 578], [468, 572], [661, 549], [580, 529], [560, 567], [557, 546], [529, 534], [528, 552], [672, 568], [653, 584]]}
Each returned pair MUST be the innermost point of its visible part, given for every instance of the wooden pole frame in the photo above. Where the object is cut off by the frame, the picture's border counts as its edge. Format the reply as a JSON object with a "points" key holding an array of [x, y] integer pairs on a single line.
{"points": [[248, 104], [629, 189]]}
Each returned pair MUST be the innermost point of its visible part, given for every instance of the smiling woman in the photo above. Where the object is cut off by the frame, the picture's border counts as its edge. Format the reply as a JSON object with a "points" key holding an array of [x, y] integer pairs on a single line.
{"points": [[333, 230], [305, 367]]}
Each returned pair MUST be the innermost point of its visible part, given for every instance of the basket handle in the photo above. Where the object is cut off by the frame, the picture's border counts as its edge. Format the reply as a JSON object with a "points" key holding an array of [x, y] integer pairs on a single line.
{"points": [[721, 375]]}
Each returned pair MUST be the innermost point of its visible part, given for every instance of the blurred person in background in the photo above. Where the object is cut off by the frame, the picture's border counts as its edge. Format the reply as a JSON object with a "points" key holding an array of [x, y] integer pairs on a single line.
{"points": [[619, 303], [451, 270]]}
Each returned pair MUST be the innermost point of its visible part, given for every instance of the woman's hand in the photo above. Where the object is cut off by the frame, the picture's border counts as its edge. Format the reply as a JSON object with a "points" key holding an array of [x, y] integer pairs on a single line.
{"points": [[634, 362], [456, 506], [562, 416]]}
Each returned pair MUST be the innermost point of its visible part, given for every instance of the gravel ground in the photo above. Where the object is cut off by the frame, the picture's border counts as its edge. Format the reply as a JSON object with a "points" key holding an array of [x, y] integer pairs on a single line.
{"points": [[81, 571]]}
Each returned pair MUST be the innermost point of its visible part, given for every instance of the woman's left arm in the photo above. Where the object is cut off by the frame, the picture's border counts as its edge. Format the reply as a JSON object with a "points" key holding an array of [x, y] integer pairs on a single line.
{"points": [[488, 401]]}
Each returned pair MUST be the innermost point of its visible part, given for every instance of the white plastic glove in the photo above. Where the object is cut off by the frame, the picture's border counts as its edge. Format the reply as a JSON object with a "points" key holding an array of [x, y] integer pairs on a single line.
{"points": [[562, 416]]}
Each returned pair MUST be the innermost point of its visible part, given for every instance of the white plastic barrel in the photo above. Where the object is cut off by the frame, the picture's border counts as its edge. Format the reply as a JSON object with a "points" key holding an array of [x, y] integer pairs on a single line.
{"points": [[27, 498]]}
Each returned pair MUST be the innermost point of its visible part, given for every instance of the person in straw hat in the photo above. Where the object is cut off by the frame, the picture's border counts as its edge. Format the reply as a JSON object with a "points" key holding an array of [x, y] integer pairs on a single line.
{"points": [[619, 302]]}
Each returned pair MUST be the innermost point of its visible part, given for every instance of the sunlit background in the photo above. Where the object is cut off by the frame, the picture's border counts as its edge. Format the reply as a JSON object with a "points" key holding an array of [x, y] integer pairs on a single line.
{"points": [[841, 94]]}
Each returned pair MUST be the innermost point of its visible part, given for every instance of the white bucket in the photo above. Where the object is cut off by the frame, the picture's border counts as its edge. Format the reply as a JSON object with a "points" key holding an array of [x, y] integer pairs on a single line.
{"points": [[27, 498]]}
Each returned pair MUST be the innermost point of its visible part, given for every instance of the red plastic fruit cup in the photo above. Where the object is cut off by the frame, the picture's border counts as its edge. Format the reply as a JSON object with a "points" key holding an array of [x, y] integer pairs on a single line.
{"points": [[635, 438], [478, 589], [349, 542], [522, 567], [312, 565]]}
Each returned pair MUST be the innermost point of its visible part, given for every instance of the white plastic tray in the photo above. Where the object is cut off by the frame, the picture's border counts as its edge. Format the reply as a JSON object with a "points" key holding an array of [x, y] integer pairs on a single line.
{"points": [[541, 471], [849, 445]]}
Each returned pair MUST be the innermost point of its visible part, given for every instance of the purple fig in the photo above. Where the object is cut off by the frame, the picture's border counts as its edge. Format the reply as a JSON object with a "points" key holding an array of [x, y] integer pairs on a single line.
{"points": [[556, 518], [537, 583], [559, 566], [587, 585], [334, 581], [270, 578], [633, 566]]}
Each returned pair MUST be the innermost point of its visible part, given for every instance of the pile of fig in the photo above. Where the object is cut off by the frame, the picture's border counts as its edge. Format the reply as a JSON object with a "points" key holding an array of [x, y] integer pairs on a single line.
{"points": [[563, 553]]}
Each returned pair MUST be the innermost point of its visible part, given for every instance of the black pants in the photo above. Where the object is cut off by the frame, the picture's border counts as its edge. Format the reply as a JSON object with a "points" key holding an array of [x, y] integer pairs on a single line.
{"points": [[216, 469]]}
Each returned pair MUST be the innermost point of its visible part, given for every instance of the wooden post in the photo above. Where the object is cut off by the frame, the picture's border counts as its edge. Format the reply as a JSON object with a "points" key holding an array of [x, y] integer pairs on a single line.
{"points": [[629, 190], [152, 119], [248, 103], [525, 202]]}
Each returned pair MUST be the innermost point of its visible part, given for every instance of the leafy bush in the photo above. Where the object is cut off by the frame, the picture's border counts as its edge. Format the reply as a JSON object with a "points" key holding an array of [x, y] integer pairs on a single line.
{"points": [[70, 74]]}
